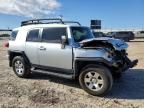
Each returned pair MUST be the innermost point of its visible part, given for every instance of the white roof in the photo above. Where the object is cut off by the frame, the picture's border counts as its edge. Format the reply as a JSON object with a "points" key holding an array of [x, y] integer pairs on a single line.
{"points": [[44, 25]]}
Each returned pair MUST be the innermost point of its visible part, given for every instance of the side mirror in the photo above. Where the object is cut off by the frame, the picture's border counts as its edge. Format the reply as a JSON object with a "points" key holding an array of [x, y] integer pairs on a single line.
{"points": [[63, 41]]}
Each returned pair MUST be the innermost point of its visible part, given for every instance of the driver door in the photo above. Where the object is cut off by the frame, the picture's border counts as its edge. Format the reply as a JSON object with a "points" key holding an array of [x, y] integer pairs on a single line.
{"points": [[51, 54]]}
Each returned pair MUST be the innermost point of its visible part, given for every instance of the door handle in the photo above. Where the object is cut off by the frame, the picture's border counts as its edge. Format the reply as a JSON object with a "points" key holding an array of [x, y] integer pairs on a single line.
{"points": [[42, 48]]}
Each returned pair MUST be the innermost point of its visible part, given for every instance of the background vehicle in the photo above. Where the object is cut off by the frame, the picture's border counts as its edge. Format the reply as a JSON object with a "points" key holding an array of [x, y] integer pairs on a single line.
{"points": [[124, 35], [5, 32], [72, 52], [99, 34], [139, 34], [5, 35]]}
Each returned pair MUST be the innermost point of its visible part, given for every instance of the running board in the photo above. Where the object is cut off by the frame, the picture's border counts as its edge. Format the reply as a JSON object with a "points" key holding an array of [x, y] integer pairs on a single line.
{"points": [[53, 73]]}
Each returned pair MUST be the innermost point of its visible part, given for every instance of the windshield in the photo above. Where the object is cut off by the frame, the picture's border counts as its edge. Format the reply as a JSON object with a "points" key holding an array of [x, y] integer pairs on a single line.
{"points": [[81, 33]]}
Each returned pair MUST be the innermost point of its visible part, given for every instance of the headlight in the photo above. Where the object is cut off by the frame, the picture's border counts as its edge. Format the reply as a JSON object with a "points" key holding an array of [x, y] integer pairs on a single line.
{"points": [[120, 44]]}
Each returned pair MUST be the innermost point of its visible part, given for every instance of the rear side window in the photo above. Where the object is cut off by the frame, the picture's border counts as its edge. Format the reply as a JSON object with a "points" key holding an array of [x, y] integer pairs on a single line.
{"points": [[13, 35], [33, 36], [53, 35]]}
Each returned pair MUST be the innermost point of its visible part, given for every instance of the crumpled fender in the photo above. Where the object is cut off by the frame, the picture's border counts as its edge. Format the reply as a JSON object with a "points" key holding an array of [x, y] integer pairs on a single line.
{"points": [[117, 44]]}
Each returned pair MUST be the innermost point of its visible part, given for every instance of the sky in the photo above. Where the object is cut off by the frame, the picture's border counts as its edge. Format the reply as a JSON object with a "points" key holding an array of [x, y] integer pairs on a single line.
{"points": [[115, 14]]}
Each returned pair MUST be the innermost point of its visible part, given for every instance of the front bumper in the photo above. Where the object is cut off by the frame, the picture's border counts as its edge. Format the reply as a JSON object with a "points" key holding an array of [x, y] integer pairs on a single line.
{"points": [[122, 62]]}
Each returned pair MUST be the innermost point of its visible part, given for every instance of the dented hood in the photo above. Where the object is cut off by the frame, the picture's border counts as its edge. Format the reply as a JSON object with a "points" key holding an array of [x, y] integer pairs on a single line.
{"points": [[116, 43]]}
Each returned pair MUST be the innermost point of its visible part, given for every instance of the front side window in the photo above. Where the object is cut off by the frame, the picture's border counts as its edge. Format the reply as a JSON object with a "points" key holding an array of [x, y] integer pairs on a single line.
{"points": [[33, 35], [53, 35], [13, 35], [81, 33]]}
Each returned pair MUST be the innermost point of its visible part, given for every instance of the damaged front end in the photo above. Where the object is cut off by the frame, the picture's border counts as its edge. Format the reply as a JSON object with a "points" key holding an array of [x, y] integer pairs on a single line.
{"points": [[116, 50]]}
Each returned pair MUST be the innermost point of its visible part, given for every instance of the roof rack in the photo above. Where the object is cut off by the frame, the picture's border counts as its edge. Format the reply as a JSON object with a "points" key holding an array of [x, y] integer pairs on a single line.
{"points": [[42, 21], [47, 21]]}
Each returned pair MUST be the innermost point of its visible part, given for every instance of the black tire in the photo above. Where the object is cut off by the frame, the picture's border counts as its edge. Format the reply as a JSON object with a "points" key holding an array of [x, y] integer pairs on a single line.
{"points": [[105, 75], [24, 66]]}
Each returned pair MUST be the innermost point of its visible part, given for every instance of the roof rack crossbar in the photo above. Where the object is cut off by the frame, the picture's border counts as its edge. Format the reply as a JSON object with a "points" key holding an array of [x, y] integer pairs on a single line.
{"points": [[40, 21], [72, 22]]}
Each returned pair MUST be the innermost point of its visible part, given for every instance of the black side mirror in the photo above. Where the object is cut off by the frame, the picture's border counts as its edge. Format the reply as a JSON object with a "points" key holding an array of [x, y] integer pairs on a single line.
{"points": [[63, 41]]}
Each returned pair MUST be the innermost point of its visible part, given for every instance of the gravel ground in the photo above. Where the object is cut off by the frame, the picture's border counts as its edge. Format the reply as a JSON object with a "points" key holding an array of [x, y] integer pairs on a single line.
{"points": [[43, 91]]}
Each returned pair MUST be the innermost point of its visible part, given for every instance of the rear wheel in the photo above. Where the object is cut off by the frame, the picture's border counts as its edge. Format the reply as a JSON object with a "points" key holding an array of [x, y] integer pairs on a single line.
{"points": [[20, 67], [96, 80]]}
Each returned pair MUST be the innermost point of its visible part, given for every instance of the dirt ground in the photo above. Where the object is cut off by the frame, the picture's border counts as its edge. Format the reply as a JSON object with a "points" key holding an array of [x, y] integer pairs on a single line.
{"points": [[43, 91]]}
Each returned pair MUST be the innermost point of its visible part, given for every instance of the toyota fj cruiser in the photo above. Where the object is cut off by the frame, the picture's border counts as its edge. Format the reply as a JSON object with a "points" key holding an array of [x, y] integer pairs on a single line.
{"points": [[57, 47]]}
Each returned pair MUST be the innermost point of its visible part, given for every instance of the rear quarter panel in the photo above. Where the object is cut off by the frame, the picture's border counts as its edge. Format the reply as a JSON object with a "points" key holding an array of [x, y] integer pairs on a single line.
{"points": [[19, 43]]}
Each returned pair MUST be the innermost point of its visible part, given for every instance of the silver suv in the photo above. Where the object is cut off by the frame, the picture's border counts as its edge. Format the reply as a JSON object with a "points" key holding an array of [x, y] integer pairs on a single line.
{"points": [[57, 47]]}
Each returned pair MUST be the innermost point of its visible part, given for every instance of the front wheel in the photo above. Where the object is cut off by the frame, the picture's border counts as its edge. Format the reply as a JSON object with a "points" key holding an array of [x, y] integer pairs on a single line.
{"points": [[96, 80]]}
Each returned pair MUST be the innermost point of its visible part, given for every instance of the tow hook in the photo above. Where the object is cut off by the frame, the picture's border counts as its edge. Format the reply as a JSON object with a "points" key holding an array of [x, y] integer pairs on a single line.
{"points": [[130, 63], [133, 63]]}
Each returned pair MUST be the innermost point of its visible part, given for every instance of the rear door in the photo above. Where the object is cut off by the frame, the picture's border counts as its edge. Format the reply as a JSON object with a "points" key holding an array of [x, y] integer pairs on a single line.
{"points": [[31, 46], [51, 54]]}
